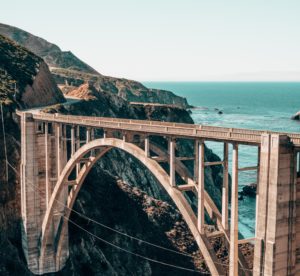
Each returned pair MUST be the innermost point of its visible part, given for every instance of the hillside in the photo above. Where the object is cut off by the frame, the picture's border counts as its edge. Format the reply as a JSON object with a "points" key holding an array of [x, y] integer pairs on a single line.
{"points": [[129, 90], [51, 53], [69, 70], [25, 78]]}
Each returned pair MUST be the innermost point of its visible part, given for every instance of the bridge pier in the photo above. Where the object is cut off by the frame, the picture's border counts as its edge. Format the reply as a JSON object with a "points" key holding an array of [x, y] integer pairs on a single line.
{"points": [[147, 146], [225, 191], [201, 180], [172, 143], [275, 248], [234, 230]]}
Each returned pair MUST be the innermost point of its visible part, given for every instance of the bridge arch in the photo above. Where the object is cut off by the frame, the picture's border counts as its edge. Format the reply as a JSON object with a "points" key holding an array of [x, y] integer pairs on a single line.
{"points": [[100, 147]]}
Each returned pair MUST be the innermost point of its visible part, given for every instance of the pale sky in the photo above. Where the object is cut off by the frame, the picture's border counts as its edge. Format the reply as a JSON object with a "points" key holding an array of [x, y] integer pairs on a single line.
{"points": [[176, 40]]}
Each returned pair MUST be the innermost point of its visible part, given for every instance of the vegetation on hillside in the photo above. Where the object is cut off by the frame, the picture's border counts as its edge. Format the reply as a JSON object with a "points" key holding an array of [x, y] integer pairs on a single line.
{"points": [[17, 69]]}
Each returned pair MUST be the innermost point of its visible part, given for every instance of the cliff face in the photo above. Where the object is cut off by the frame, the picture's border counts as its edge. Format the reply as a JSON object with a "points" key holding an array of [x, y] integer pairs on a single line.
{"points": [[70, 70], [25, 78]]}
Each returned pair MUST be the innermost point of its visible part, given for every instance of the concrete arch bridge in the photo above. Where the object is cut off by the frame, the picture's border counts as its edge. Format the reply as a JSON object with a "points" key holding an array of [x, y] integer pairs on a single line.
{"points": [[55, 160]]}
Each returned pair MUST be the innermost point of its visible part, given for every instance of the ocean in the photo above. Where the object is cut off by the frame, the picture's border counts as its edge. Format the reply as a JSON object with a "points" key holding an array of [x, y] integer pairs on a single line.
{"points": [[253, 105]]}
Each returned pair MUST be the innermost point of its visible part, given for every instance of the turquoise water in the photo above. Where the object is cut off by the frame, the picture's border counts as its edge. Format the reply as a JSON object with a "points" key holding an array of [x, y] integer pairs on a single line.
{"points": [[256, 105]]}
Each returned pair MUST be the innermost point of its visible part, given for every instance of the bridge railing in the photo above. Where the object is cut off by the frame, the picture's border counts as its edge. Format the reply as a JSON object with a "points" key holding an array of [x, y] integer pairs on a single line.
{"points": [[158, 127]]}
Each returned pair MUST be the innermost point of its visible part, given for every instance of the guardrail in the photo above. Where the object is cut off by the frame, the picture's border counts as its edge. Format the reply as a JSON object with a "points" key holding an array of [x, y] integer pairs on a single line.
{"points": [[183, 130]]}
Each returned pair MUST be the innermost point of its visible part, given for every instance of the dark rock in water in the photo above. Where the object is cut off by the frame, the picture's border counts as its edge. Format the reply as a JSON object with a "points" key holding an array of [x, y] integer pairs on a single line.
{"points": [[296, 116], [241, 197], [220, 112], [249, 190]]}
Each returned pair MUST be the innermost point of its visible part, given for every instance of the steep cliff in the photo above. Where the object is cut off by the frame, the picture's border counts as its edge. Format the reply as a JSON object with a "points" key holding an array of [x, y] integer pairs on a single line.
{"points": [[70, 70], [25, 78]]}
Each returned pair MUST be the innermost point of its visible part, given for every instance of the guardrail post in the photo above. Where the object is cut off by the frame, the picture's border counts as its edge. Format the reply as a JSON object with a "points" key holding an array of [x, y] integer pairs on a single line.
{"points": [[234, 231]]}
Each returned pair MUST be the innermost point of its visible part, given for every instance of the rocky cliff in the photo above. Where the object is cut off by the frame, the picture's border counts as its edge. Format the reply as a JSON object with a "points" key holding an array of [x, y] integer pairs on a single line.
{"points": [[69, 70], [25, 78]]}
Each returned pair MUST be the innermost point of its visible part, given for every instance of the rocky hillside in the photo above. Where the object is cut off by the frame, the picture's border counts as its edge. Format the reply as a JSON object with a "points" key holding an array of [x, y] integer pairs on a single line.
{"points": [[25, 79], [51, 53], [71, 71]]}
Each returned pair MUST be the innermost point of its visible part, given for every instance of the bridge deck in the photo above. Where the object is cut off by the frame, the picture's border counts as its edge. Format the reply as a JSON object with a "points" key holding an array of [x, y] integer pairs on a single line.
{"points": [[243, 136]]}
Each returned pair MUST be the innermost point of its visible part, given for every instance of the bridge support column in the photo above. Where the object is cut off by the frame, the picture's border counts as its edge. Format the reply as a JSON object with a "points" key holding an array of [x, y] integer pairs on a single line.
{"points": [[234, 230], [225, 188], [196, 161], [73, 145], [172, 161], [275, 234], [39, 169], [88, 135], [147, 146], [77, 147], [59, 261], [47, 167], [201, 178], [29, 192]]}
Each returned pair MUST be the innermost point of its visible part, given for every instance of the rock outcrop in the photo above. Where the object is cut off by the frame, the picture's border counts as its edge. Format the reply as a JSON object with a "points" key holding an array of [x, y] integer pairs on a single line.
{"points": [[25, 78], [296, 116]]}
